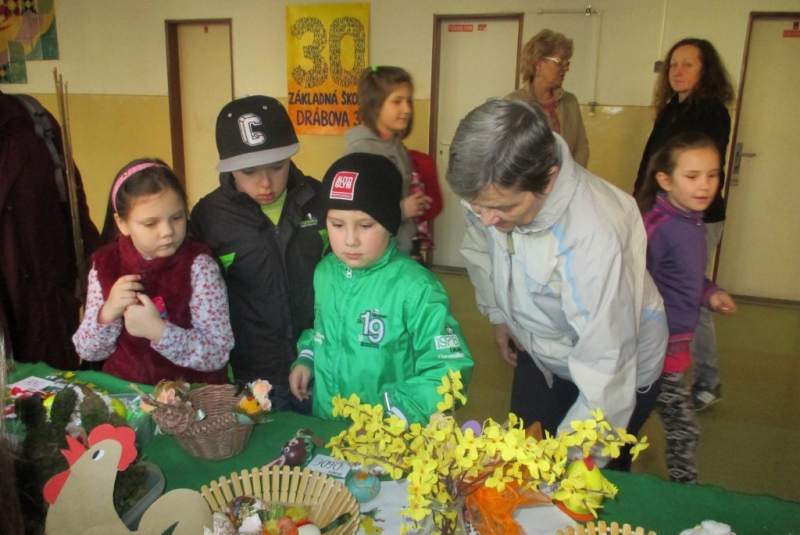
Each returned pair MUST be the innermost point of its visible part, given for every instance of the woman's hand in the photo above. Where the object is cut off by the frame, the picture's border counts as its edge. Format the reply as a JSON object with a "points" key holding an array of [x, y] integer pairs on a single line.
{"points": [[121, 296], [298, 382], [415, 204], [506, 343], [721, 301], [144, 320]]}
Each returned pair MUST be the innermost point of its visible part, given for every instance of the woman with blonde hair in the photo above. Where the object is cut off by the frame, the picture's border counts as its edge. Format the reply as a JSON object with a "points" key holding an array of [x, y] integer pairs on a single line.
{"points": [[545, 61], [691, 95]]}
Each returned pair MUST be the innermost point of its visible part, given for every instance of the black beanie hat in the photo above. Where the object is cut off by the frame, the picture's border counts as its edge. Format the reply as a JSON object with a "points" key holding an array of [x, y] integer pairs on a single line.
{"points": [[365, 182], [253, 131]]}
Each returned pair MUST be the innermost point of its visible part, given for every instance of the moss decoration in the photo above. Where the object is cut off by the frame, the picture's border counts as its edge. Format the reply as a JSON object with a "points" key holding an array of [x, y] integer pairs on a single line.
{"points": [[41, 457]]}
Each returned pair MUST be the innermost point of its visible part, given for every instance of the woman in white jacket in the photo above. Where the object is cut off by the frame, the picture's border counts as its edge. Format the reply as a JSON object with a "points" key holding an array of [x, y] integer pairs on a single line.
{"points": [[557, 256]]}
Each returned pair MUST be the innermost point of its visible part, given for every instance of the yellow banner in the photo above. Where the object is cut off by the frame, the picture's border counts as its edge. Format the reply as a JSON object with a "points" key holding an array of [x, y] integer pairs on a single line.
{"points": [[326, 48]]}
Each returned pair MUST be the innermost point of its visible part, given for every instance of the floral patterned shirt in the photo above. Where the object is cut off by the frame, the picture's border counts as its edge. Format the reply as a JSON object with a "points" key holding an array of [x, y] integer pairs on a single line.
{"points": [[205, 347]]}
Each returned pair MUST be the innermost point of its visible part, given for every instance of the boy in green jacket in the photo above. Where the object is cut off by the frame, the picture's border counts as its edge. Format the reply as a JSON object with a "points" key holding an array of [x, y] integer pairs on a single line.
{"points": [[383, 328]]}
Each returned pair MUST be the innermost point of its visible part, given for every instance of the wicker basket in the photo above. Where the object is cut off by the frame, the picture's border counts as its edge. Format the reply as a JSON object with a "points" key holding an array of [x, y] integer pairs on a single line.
{"points": [[217, 436], [327, 498]]}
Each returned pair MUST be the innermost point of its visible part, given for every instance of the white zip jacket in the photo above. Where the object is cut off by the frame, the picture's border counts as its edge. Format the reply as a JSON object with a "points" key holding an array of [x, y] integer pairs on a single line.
{"points": [[573, 288]]}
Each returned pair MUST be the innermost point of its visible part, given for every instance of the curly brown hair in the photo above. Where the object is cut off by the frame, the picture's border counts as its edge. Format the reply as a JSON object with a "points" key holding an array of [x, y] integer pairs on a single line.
{"points": [[544, 43], [714, 81]]}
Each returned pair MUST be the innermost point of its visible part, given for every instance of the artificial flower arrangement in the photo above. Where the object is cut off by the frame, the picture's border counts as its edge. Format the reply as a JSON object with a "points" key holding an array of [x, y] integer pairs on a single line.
{"points": [[255, 402], [445, 464]]}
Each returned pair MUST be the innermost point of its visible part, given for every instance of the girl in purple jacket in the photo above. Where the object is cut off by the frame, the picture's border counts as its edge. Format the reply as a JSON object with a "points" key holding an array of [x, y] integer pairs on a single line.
{"points": [[681, 181]]}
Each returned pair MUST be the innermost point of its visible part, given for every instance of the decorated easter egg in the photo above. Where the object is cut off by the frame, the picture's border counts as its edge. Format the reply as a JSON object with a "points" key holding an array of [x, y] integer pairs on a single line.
{"points": [[308, 529], [363, 485], [48, 404], [119, 407], [594, 481]]}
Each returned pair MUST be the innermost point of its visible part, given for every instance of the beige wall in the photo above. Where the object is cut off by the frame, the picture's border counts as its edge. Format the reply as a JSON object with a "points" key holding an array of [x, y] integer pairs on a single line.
{"points": [[114, 58]]}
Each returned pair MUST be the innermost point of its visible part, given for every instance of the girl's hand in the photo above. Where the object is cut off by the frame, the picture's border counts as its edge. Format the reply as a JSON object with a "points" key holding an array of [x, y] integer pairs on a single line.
{"points": [[298, 382], [721, 301], [144, 320], [415, 204], [506, 343], [121, 296]]}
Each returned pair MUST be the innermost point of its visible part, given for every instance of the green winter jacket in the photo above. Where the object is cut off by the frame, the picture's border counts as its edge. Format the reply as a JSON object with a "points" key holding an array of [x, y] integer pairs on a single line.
{"points": [[384, 333]]}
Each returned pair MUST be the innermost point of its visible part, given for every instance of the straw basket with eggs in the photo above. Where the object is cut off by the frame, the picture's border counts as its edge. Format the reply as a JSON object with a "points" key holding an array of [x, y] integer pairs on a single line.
{"points": [[326, 498]]}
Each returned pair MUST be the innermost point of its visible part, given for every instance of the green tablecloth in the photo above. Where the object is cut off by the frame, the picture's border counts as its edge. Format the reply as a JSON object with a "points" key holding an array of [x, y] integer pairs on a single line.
{"points": [[643, 500]]}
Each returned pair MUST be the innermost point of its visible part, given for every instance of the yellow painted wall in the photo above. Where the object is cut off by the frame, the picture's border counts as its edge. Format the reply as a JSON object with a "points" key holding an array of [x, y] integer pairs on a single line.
{"points": [[108, 131], [617, 136], [116, 67]]}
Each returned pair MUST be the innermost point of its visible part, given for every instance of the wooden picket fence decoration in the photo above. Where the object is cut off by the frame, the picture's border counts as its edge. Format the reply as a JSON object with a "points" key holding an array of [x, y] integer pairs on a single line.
{"points": [[326, 497], [603, 529]]}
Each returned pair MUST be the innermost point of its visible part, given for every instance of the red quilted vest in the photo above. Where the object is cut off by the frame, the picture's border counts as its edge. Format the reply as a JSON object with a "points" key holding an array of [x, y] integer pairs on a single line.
{"points": [[169, 278]]}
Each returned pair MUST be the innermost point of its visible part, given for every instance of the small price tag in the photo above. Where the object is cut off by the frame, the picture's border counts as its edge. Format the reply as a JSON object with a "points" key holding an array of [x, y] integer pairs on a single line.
{"points": [[328, 465]]}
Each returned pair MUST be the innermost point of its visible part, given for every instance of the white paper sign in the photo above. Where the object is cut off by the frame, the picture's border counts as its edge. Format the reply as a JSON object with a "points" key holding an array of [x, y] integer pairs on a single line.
{"points": [[328, 465], [34, 384]]}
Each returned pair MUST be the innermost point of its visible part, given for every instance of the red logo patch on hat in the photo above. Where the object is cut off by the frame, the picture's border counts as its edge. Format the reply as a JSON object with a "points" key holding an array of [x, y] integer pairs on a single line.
{"points": [[344, 185]]}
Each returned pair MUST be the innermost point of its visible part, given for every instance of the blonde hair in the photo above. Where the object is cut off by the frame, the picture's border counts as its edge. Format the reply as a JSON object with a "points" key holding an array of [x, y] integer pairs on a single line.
{"points": [[544, 43]]}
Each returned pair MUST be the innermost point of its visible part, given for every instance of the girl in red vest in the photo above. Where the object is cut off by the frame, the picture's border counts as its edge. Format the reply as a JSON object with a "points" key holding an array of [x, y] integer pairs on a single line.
{"points": [[156, 305]]}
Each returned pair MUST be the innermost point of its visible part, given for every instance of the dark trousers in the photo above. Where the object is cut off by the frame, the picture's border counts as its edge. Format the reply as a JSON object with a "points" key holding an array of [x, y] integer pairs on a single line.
{"points": [[283, 400], [533, 401]]}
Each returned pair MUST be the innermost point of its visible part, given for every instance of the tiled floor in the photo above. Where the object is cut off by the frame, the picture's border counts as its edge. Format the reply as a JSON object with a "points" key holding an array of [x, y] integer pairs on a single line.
{"points": [[749, 440]]}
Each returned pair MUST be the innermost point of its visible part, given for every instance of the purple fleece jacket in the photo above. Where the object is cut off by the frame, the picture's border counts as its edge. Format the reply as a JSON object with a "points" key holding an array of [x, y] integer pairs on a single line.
{"points": [[676, 259]]}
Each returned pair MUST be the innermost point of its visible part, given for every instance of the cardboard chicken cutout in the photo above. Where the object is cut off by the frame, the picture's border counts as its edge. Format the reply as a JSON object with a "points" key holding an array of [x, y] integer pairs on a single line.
{"points": [[82, 498]]}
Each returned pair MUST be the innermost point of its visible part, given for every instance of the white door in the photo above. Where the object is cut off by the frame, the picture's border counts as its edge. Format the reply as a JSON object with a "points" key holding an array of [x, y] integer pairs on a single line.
{"points": [[760, 249], [478, 60], [205, 74]]}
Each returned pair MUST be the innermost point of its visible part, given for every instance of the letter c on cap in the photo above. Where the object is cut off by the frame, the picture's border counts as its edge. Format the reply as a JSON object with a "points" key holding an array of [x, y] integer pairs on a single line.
{"points": [[246, 124]]}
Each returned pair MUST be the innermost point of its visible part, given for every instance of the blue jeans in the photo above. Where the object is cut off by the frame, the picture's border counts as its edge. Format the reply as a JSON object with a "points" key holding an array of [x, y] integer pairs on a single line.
{"points": [[704, 343]]}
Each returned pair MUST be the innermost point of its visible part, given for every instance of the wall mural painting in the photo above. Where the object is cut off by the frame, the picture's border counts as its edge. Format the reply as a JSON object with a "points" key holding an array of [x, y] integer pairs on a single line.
{"points": [[326, 53], [27, 33]]}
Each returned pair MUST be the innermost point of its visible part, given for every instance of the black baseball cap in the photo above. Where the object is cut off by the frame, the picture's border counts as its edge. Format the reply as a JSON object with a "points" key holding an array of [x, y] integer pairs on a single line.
{"points": [[253, 131]]}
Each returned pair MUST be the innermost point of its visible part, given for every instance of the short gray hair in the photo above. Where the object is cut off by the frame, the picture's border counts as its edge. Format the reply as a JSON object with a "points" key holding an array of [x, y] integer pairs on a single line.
{"points": [[502, 143]]}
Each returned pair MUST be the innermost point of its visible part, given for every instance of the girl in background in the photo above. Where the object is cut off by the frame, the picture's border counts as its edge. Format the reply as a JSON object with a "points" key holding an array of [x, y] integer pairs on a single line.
{"points": [[386, 113], [681, 182], [156, 304], [425, 178]]}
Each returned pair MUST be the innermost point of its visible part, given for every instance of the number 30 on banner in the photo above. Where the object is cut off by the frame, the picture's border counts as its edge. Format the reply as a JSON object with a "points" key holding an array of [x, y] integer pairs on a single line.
{"points": [[340, 28]]}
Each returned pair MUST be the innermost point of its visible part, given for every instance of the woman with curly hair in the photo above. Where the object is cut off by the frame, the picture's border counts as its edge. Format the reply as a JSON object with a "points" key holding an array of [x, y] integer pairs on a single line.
{"points": [[545, 61], [691, 94]]}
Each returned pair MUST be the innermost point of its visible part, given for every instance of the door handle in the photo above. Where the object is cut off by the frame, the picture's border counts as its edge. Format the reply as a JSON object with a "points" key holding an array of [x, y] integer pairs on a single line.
{"points": [[738, 154]]}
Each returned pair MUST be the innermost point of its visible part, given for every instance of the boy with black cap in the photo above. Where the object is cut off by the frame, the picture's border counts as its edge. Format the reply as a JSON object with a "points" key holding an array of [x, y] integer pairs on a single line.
{"points": [[251, 222], [383, 328]]}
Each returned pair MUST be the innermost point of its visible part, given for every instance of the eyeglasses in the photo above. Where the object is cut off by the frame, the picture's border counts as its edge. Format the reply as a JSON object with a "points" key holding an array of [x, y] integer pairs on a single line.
{"points": [[564, 64]]}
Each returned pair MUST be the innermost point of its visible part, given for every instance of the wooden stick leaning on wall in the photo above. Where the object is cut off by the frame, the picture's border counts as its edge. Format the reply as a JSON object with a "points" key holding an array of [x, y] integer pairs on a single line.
{"points": [[72, 183]]}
